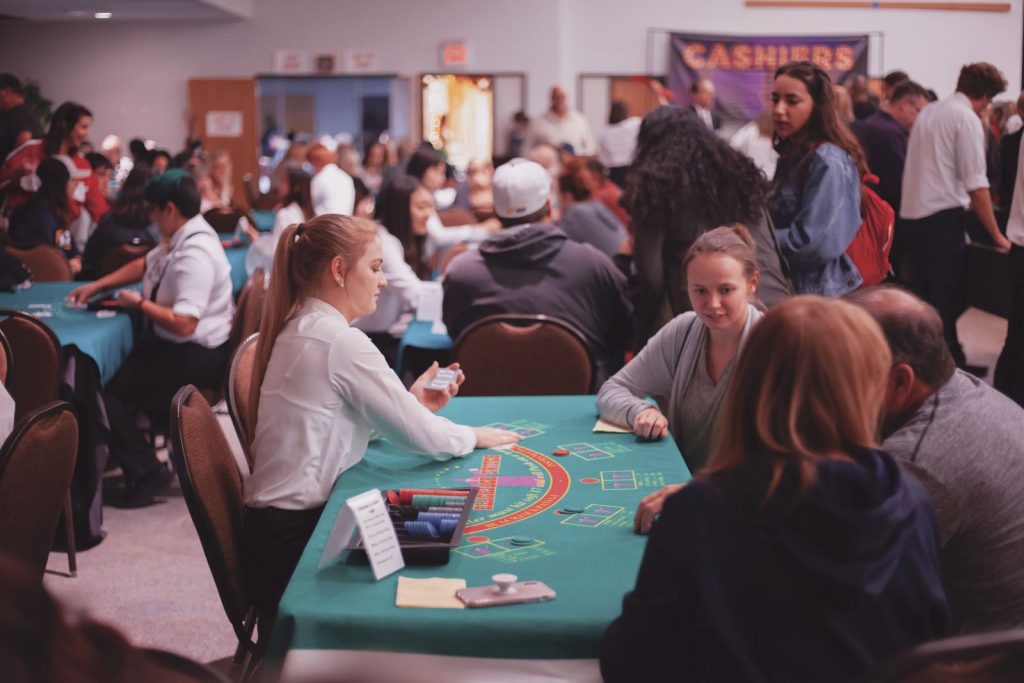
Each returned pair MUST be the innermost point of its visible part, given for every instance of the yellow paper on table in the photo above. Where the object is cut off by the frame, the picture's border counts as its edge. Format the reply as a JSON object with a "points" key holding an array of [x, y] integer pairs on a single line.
{"points": [[433, 592], [609, 428]]}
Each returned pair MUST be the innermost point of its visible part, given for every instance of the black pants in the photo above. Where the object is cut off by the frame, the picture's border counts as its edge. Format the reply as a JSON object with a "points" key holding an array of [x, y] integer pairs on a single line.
{"points": [[142, 391], [935, 259], [1009, 377], [272, 542]]}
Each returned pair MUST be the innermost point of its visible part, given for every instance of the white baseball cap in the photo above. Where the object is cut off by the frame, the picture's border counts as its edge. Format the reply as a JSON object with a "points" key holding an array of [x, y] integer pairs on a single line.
{"points": [[520, 188]]}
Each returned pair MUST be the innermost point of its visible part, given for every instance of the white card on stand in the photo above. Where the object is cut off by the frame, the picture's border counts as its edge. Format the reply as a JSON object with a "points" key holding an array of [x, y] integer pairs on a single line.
{"points": [[431, 301], [368, 512]]}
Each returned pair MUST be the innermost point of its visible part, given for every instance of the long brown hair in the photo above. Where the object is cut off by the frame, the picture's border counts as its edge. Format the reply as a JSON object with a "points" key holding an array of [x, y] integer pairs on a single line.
{"points": [[822, 126], [303, 251], [809, 383]]}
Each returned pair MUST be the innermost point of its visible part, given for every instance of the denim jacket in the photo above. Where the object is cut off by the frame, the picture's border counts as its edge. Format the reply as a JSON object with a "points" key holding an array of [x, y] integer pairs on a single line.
{"points": [[816, 225]]}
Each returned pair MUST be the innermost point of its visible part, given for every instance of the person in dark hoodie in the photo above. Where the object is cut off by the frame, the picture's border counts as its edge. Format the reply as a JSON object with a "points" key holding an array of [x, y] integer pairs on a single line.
{"points": [[532, 268], [801, 553]]}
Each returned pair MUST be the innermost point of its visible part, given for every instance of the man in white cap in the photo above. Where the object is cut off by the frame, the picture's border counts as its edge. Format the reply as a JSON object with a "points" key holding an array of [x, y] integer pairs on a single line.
{"points": [[529, 267]]}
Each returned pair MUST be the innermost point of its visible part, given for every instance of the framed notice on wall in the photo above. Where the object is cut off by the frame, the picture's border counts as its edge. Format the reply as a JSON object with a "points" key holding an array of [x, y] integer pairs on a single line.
{"points": [[224, 124]]}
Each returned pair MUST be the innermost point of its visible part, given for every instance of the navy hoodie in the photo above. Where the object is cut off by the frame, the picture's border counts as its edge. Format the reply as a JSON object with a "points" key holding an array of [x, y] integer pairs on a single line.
{"points": [[816, 587], [536, 269]]}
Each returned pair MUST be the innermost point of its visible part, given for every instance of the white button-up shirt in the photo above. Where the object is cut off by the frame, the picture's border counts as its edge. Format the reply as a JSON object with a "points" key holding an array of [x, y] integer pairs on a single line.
{"points": [[1015, 225], [617, 142], [332, 191], [326, 388], [945, 158], [194, 279]]}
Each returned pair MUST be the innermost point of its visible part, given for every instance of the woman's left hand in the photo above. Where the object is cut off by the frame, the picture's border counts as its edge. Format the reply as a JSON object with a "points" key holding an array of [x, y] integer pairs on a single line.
{"points": [[434, 399]]}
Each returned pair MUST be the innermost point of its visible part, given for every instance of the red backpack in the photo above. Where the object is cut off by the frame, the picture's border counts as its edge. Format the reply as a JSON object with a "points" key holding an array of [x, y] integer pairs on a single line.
{"points": [[870, 247]]}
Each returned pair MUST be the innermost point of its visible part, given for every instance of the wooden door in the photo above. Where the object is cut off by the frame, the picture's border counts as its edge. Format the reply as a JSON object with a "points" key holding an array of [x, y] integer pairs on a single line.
{"points": [[222, 113], [639, 97]]}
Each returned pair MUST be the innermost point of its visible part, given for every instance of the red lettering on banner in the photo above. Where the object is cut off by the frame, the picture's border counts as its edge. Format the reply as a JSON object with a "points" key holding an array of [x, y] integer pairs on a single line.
{"points": [[822, 56], [693, 55], [719, 58], [765, 57], [783, 55], [800, 53], [844, 60], [741, 57]]}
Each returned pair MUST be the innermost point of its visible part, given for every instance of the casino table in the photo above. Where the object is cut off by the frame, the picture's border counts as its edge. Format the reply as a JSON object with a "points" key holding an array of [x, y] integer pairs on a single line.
{"points": [[340, 622], [107, 341], [236, 258]]}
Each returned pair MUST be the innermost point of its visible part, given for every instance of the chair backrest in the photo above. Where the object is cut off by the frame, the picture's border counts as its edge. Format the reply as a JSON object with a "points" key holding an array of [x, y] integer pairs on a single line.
{"points": [[36, 464], [112, 259], [239, 382], [994, 657], [212, 488], [34, 380], [523, 355], [251, 309], [6, 358], [47, 263]]}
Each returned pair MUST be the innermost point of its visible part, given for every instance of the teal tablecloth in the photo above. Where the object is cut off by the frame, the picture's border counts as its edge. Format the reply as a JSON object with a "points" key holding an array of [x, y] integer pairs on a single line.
{"points": [[589, 559], [236, 259], [106, 340], [264, 220]]}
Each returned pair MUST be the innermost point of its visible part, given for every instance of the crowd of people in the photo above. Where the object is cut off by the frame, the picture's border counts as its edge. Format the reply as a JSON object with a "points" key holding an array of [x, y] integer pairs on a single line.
{"points": [[838, 438]]}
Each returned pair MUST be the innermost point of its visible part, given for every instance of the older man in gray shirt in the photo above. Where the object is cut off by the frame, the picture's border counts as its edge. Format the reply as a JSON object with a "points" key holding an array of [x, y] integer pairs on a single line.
{"points": [[965, 442]]}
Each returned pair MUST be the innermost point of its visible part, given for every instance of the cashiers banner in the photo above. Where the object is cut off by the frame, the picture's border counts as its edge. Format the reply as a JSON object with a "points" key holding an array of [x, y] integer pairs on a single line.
{"points": [[742, 67]]}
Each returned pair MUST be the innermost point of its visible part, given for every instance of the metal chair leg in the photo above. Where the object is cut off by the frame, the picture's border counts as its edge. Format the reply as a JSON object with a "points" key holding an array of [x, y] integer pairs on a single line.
{"points": [[69, 526]]}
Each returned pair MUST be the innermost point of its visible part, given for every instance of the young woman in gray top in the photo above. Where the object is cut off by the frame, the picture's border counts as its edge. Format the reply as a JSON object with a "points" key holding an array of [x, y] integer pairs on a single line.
{"points": [[687, 364]]}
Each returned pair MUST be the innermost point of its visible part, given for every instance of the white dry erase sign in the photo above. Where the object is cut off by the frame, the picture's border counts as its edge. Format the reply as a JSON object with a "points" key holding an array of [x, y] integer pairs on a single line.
{"points": [[368, 512]]}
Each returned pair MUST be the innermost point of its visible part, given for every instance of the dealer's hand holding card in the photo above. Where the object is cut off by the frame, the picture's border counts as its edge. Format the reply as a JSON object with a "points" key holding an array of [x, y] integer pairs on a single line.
{"points": [[435, 387]]}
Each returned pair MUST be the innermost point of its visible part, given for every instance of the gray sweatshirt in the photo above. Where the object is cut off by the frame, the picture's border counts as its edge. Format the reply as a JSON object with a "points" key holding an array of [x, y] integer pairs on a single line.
{"points": [[966, 445]]}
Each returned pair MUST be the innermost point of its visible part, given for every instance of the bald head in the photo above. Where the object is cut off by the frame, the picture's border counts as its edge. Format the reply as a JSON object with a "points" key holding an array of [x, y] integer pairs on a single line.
{"points": [[912, 328], [559, 102]]}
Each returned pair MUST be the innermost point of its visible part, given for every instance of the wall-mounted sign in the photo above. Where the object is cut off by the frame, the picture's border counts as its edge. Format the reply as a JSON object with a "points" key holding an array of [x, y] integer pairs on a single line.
{"points": [[326, 63], [223, 124], [454, 53], [292, 62], [357, 59]]}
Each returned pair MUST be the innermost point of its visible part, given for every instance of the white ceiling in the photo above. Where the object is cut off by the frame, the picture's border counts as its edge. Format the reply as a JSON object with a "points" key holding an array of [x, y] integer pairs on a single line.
{"points": [[126, 10]]}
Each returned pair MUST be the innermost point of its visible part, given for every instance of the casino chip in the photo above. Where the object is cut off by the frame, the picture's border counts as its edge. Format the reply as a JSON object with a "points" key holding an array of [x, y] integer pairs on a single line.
{"points": [[572, 511], [560, 451], [522, 541]]}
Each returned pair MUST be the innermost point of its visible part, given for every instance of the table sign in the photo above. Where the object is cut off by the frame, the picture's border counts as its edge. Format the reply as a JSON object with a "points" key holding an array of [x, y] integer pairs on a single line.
{"points": [[368, 512]]}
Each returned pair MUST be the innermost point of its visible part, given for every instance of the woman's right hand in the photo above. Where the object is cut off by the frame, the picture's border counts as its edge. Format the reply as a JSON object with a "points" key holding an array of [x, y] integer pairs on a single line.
{"points": [[81, 295], [488, 437], [650, 424], [650, 507]]}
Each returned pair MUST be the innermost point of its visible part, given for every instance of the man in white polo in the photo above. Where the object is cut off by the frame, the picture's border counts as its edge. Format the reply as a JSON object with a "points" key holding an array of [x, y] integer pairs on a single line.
{"points": [[944, 174]]}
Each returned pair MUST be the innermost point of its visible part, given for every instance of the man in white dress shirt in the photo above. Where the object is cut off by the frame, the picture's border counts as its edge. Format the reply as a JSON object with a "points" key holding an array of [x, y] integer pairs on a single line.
{"points": [[560, 126], [944, 174], [331, 188]]}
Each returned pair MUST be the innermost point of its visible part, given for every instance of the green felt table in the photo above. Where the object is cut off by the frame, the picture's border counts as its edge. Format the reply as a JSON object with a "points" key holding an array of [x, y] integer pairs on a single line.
{"points": [[107, 341], [589, 559]]}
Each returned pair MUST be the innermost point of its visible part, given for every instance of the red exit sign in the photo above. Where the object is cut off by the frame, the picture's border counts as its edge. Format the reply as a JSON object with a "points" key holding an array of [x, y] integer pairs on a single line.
{"points": [[454, 53]]}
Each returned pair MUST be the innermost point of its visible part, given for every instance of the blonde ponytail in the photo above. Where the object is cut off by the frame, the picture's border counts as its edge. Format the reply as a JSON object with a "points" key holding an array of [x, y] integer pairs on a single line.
{"points": [[303, 251]]}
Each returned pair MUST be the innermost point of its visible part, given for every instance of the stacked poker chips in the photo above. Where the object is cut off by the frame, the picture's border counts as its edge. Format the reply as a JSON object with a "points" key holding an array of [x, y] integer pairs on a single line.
{"points": [[437, 511]]}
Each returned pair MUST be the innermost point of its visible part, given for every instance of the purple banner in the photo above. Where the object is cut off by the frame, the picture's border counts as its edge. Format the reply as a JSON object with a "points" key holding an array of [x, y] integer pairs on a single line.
{"points": [[741, 67]]}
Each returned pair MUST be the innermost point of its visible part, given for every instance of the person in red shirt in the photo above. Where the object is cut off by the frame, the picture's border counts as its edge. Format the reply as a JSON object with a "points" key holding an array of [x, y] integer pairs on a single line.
{"points": [[69, 128]]}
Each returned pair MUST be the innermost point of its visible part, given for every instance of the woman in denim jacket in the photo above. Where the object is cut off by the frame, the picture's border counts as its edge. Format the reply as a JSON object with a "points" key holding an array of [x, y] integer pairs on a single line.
{"points": [[816, 196]]}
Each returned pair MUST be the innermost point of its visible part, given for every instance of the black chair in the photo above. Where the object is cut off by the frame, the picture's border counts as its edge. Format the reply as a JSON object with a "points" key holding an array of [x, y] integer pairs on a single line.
{"points": [[212, 488], [523, 355], [237, 392], [6, 358], [996, 657]]}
